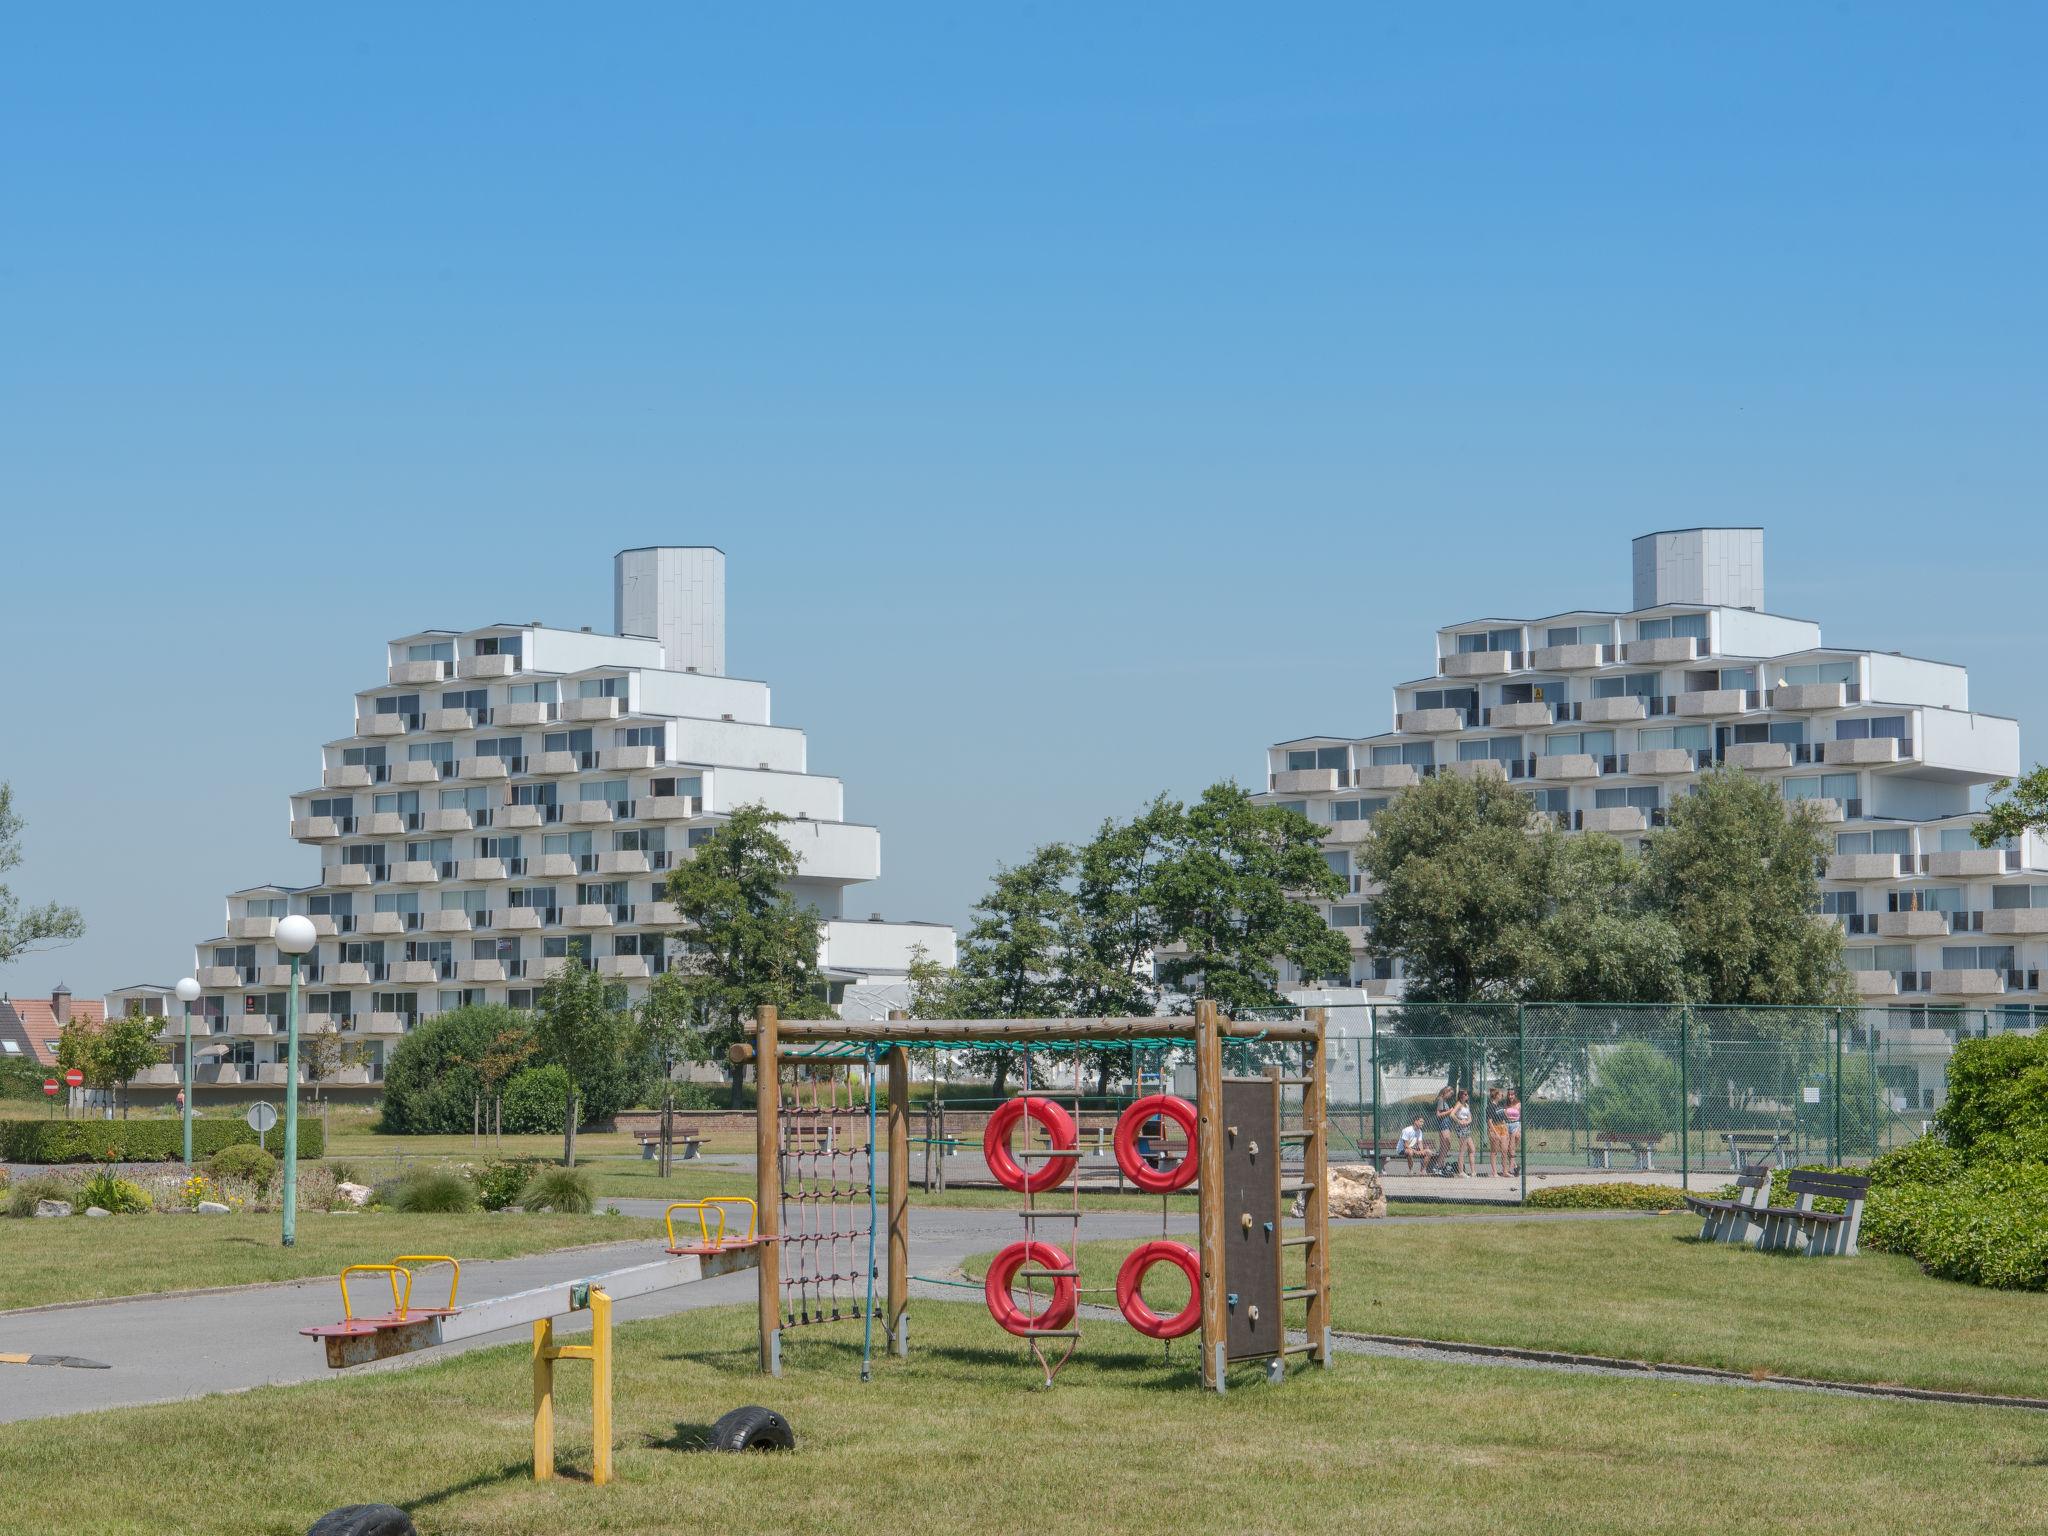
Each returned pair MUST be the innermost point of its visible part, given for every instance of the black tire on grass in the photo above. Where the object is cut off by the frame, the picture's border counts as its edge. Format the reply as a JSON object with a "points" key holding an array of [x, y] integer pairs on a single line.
{"points": [[752, 1429], [364, 1520]]}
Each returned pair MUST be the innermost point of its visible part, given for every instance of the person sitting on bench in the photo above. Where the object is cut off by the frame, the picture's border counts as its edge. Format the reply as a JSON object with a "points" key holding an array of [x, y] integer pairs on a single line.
{"points": [[1414, 1144]]}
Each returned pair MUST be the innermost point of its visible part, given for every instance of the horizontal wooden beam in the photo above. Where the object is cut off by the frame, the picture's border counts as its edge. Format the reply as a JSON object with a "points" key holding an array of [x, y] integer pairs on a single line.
{"points": [[1032, 1031]]}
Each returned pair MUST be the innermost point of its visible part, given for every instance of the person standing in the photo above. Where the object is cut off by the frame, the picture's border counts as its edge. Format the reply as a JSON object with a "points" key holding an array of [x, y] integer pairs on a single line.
{"points": [[1468, 1152], [1496, 1133], [1512, 1113], [1446, 1107]]}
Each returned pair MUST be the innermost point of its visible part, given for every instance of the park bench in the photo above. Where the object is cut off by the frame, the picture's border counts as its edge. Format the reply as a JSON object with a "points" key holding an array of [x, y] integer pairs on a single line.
{"points": [[1748, 1148], [802, 1135], [1734, 1220], [1601, 1149], [1819, 1233], [688, 1137]]}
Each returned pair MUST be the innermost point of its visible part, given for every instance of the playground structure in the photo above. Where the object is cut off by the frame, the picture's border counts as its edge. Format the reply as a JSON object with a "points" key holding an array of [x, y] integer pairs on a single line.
{"points": [[823, 1214], [407, 1329]]}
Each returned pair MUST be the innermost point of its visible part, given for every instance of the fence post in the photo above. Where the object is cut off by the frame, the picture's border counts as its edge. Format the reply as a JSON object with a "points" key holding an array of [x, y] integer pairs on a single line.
{"points": [[1372, 1021], [1522, 1093], [1835, 1131], [1684, 1101]]}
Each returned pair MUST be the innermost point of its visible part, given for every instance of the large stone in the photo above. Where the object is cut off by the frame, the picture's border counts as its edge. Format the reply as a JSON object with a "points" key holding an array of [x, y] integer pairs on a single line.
{"points": [[212, 1208], [97, 1210], [53, 1207], [1355, 1193], [354, 1194]]}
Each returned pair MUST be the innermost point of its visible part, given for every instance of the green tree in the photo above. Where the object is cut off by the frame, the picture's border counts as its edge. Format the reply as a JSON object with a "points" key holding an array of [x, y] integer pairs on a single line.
{"points": [[1111, 967], [1634, 1091], [749, 942], [109, 1052], [1014, 959], [2024, 809], [23, 929], [1232, 895], [434, 1079], [1592, 939], [667, 1032], [1736, 873], [580, 1024]]}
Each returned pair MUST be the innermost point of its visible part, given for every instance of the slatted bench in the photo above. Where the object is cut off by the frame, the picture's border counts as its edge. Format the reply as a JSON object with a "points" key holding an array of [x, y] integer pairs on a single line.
{"points": [[688, 1137], [1818, 1233], [1734, 1221], [1749, 1148]]}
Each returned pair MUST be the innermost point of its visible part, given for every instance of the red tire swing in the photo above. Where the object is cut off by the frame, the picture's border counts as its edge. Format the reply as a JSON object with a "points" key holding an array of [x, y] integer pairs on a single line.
{"points": [[1012, 1318], [1003, 1164], [1157, 1181], [1130, 1282]]}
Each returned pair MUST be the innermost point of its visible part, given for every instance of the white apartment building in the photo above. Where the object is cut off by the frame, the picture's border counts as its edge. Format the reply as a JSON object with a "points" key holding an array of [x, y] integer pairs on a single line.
{"points": [[1605, 717], [511, 796]]}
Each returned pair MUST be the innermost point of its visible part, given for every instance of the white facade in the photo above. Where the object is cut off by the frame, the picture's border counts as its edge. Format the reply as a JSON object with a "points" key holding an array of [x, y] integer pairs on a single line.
{"points": [[1604, 718], [515, 795]]}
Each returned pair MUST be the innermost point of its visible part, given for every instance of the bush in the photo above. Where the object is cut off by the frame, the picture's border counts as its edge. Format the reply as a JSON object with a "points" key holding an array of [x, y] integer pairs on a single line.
{"points": [[243, 1162], [24, 1193], [500, 1184], [1997, 1104], [535, 1100], [1606, 1197], [1924, 1160], [345, 1170], [134, 1141], [430, 1082], [559, 1189], [432, 1192], [1634, 1091], [116, 1196]]}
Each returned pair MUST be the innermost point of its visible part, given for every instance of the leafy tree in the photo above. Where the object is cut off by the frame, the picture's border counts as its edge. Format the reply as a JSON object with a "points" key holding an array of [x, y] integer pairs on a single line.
{"points": [[1592, 941], [1735, 871], [1634, 1091], [750, 943], [1230, 890], [1013, 961], [325, 1055], [434, 1078], [580, 1025], [2025, 808], [23, 929], [109, 1052], [667, 1033]]}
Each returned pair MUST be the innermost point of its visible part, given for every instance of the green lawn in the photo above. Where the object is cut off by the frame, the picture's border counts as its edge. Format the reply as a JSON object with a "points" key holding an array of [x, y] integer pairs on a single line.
{"points": [[956, 1440], [78, 1260], [1646, 1290]]}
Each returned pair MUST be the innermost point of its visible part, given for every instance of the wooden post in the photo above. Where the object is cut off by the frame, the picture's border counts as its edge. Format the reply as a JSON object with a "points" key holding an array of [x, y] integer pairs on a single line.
{"points": [[899, 1199], [1315, 1172], [768, 1182], [1209, 1190]]}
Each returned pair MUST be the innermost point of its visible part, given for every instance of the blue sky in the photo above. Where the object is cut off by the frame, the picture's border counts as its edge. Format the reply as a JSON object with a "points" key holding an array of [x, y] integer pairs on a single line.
{"points": [[1085, 397]]}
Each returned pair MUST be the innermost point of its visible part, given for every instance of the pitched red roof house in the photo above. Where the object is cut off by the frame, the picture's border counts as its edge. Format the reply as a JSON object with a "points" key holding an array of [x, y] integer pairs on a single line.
{"points": [[29, 1026]]}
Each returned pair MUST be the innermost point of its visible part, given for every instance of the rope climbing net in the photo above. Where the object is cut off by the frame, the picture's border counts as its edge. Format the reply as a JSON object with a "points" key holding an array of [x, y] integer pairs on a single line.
{"points": [[826, 1189]]}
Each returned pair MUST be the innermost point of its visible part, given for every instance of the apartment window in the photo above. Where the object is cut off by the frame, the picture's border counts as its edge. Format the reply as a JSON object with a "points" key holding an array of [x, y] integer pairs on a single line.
{"points": [[662, 789], [1790, 733], [362, 757], [334, 904], [1816, 672], [534, 794], [1841, 903], [1642, 799], [640, 840], [650, 944], [1466, 699], [700, 835], [602, 789], [473, 799], [401, 803], [1419, 754], [1826, 786], [395, 1002], [266, 906], [564, 946], [1551, 802], [1349, 916], [497, 847], [1592, 743], [531, 693], [365, 952], [340, 807], [566, 842], [1356, 810], [541, 898], [506, 948], [1683, 738], [602, 893], [1319, 757], [430, 752], [2010, 898], [500, 645], [476, 700], [1339, 862], [430, 850], [1741, 679], [566, 741], [1299, 807], [1883, 840], [1680, 626], [1551, 692], [1931, 898], [655, 736], [1976, 957], [431, 650], [399, 704], [1963, 840], [398, 901], [471, 902], [1865, 730], [1582, 634], [363, 853], [1641, 685], [1498, 749], [501, 746], [1880, 957], [601, 688]]}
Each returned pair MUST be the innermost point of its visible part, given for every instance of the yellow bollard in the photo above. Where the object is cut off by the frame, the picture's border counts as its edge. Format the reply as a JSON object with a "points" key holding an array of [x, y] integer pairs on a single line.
{"points": [[543, 1400], [601, 1387], [599, 1353]]}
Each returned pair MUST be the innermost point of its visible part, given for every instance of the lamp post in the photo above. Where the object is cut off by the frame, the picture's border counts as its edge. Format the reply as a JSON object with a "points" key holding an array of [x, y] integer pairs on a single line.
{"points": [[295, 935], [188, 994]]}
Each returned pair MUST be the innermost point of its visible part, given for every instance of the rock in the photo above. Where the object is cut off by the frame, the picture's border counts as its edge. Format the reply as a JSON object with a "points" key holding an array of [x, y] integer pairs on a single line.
{"points": [[97, 1210], [212, 1208], [1355, 1193], [53, 1207], [354, 1194]]}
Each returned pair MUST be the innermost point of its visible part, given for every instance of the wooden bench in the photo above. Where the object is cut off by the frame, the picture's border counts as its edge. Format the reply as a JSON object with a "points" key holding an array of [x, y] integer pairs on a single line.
{"points": [[1601, 1149], [688, 1137], [803, 1135], [1747, 1149], [1734, 1221], [1817, 1233]]}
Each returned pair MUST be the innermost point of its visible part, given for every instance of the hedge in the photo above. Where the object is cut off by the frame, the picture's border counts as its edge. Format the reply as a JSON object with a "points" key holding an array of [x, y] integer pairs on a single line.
{"points": [[1606, 1197], [137, 1141]]}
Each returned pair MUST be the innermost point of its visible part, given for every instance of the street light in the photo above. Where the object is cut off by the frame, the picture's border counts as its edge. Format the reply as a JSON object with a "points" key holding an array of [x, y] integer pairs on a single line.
{"points": [[295, 935], [188, 994]]}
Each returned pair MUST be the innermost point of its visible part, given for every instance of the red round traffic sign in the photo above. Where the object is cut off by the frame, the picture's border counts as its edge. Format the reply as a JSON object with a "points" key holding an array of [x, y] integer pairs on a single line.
{"points": [[50, 1086], [74, 1078]]}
